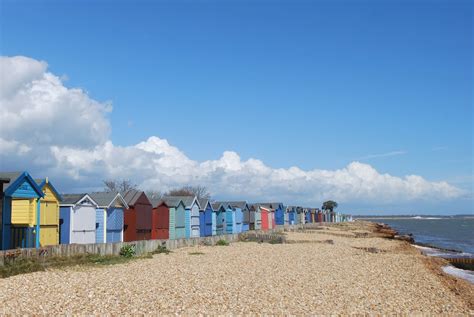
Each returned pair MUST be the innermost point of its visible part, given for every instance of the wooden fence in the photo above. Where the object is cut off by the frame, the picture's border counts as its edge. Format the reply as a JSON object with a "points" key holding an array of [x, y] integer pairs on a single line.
{"points": [[141, 247]]}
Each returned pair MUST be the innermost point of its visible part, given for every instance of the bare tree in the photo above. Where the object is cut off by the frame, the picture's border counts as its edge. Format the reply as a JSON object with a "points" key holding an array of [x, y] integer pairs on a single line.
{"points": [[154, 194], [199, 191], [115, 185]]}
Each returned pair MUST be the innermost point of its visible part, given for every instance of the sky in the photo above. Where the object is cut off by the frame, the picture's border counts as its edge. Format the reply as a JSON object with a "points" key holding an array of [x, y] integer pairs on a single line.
{"points": [[369, 103]]}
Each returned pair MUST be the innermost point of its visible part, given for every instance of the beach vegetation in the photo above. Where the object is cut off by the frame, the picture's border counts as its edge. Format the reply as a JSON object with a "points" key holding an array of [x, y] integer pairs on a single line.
{"points": [[329, 205], [222, 242]]}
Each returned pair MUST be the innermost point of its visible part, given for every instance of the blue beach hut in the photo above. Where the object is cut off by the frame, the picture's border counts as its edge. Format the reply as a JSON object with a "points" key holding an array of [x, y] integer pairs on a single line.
{"points": [[20, 226], [307, 213], [230, 221], [109, 216], [291, 215], [205, 218]]}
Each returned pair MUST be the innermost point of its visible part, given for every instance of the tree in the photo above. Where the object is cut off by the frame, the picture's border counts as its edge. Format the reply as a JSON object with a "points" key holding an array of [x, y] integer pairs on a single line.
{"points": [[199, 191], [329, 205], [115, 185], [154, 194]]}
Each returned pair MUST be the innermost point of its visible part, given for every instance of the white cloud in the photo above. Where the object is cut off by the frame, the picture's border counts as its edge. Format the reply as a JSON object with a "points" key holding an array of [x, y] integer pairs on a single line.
{"points": [[37, 109], [59, 131]]}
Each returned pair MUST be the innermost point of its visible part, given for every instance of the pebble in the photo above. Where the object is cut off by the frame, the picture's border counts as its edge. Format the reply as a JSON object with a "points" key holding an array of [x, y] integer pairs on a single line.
{"points": [[245, 278]]}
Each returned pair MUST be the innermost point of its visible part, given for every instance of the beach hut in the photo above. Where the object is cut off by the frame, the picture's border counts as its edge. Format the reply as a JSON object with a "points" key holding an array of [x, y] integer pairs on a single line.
{"points": [[49, 213], [239, 219], [3, 181], [303, 216], [251, 217], [109, 216], [77, 219], [307, 212], [255, 217], [176, 211], [160, 215], [230, 221], [205, 218], [246, 215], [137, 217], [191, 216], [314, 213], [286, 219], [20, 220], [279, 212], [266, 215], [275, 213], [271, 215], [242, 215], [261, 215], [291, 215], [298, 212], [220, 212]]}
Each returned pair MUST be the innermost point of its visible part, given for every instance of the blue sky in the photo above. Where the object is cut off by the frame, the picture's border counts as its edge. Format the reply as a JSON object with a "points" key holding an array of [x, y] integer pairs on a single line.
{"points": [[313, 84]]}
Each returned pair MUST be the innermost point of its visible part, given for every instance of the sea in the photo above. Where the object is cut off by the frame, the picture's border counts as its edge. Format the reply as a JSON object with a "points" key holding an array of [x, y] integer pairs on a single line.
{"points": [[437, 235]]}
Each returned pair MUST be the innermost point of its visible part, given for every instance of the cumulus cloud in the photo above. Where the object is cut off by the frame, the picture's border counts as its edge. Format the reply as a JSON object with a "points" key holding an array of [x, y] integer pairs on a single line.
{"points": [[37, 109], [62, 132]]}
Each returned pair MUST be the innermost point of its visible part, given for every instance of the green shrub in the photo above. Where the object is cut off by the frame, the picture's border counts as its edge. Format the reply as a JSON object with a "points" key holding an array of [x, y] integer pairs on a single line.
{"points": [[128, 251], [222, 242]]}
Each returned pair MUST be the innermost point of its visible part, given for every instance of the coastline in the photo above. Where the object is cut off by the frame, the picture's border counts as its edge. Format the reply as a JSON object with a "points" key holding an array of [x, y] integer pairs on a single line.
{"points": [[456, 263], [346, 268], [426, 248]]}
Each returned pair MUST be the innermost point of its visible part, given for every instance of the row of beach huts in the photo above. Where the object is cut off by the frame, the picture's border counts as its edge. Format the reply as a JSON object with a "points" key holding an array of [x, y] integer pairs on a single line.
{"points": [[34, 214]]}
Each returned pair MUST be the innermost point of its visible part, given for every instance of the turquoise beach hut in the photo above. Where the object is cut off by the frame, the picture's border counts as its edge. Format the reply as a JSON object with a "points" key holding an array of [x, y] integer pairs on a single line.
{"points": [[177, 210], [220, 216]]}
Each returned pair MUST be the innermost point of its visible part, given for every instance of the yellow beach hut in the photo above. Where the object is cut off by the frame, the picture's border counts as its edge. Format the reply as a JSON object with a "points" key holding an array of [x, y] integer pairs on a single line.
{"points": [[49, 213]]}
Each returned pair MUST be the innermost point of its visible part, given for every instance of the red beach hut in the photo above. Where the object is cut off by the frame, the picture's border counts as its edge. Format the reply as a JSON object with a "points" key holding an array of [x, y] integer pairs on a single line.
{"points": [[264, 211], [138, 217], [161, 220]]}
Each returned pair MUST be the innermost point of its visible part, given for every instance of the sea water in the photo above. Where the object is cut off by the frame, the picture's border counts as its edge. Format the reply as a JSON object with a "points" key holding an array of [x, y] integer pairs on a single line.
{"points": [[456, 233], [451, 233]]}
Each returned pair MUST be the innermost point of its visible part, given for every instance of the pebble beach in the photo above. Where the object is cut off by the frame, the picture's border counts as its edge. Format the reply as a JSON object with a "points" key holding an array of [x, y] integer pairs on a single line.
{"points": [[340, 269]]}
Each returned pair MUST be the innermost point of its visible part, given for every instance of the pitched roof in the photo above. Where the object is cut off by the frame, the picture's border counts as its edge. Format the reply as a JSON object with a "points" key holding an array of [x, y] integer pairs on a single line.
{"points": [[216, 205], [71, 199], [15, 180], [131, 196], [155, 202], [235, 204], [187, 200], [228, 204], [104, 199], [42, 182], [270, 205], [203, 203], [171, 201]]}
